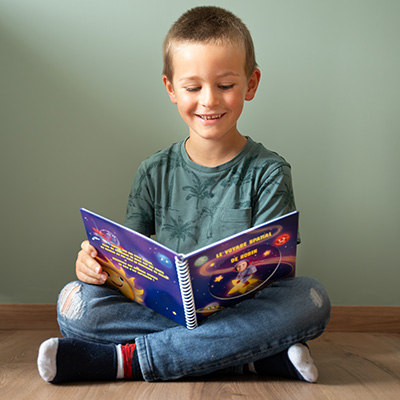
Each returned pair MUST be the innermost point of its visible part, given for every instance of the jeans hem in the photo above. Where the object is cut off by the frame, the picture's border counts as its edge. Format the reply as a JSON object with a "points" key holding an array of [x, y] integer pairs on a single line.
{"points": [[148, 368]]}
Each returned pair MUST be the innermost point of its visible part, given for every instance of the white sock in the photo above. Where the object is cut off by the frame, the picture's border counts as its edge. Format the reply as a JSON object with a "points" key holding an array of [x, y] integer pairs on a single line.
{"points": [[120, 363], [69, 360], [299, 355], [46, 360]]}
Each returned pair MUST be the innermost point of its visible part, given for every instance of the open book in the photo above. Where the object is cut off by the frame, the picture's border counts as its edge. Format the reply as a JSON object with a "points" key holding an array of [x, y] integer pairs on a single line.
{"points": [[189, 287]]}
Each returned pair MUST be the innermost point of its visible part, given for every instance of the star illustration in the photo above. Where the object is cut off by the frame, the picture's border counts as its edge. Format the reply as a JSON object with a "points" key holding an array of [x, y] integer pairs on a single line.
{"points": [[241, 287], [218, 278]]}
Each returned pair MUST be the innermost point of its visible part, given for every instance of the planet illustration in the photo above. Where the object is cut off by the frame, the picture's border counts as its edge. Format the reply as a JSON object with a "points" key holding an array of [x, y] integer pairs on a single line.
{"points": [[200, 261], [164, 260], [210, 308], [282, 240], [107, 237]]}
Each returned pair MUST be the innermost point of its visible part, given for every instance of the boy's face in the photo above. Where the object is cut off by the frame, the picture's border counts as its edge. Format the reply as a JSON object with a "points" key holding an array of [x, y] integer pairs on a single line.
{"points": [[241, 266], [209, 86]]}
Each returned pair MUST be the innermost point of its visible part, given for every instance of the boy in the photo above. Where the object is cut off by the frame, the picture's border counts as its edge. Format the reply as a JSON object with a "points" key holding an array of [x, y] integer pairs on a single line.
{"points": [[214, 184]]}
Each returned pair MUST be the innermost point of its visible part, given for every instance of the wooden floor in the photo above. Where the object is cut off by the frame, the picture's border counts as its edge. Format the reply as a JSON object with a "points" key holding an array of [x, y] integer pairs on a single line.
{"points": [[352, 366]]}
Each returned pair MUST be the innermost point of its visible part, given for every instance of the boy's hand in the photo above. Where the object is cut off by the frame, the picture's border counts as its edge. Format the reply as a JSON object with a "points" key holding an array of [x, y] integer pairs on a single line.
{"points": [[88, 270]]}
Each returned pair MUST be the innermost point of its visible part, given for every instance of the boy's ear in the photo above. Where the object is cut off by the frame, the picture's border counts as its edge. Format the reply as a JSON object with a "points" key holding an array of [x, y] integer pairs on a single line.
{"points": [[170, 89], [252, 84]]}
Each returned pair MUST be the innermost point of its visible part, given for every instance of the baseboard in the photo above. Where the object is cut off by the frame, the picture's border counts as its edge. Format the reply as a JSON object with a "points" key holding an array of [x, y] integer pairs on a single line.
{"points": [[28, 316], [365, 319], [343, 318]]}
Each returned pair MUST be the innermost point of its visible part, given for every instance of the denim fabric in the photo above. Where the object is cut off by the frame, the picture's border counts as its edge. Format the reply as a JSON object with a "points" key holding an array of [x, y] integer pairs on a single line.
{"points": [[287, 312]]}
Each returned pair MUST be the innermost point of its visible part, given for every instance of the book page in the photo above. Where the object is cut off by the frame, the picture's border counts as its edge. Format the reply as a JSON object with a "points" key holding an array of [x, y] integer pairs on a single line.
{"points": [[142, 269], [234, 269]]}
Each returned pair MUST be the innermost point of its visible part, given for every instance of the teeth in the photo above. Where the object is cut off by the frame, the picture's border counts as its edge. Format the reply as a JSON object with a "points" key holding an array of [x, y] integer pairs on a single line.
{"points": [[208, 117]]}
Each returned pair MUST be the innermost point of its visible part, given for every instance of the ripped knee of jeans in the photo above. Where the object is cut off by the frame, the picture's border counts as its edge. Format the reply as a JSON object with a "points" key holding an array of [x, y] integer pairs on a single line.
{"points": [[70, 302], [316, 298]]}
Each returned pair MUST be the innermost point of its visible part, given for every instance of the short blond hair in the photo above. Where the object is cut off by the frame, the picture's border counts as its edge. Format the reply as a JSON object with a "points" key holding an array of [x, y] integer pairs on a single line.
{"points": [[208, 24]]}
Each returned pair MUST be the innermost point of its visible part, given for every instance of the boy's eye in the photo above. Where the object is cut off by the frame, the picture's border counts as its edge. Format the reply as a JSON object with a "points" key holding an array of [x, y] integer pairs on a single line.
{"points": [[192, 89], [198, 88], [226, 87]]}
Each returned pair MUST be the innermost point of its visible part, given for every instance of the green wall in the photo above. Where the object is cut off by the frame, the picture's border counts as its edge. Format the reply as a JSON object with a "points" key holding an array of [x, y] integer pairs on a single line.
{"points": [[82, 103]]}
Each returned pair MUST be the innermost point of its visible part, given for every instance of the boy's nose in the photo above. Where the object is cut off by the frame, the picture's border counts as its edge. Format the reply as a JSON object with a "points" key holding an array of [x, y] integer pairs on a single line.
{"points": [[209, 98]]}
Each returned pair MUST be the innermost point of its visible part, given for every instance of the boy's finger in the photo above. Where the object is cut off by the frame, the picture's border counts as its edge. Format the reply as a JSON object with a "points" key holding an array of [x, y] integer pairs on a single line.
{"points": [[90, 263], [99, 275], [88, 248], [89, 279], [91, 272]]}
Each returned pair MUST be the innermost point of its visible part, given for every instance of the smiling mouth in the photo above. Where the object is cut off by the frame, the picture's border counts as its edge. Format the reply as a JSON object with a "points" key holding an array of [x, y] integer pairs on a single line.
{"points": [[210, 117]]}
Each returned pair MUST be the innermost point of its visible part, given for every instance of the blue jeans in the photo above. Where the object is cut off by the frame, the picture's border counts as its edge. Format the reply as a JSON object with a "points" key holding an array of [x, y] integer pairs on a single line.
{"points": [[289, 311]]}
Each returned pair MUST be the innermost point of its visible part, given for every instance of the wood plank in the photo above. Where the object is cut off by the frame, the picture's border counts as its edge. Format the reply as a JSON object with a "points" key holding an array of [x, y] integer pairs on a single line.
{"points": [[343, 318]]}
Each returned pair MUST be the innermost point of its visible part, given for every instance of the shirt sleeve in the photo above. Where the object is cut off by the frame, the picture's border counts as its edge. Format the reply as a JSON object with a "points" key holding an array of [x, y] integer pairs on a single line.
{"points": [[140, 207], [275, 196]]}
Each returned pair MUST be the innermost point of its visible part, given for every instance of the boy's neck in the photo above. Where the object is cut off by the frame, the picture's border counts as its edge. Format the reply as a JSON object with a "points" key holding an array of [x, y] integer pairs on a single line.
{"points": [[211, 153]]}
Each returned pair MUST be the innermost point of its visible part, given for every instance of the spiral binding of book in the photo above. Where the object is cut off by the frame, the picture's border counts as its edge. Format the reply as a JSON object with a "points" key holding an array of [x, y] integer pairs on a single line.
{"points": [[186, 292]]}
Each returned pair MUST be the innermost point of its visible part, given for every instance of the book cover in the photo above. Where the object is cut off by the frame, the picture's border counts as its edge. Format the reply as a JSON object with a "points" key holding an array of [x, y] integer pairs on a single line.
{"points": [[187, 288]]}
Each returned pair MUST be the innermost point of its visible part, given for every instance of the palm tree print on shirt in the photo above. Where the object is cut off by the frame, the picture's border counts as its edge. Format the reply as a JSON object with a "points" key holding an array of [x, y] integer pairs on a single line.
{"points": [[200, 189], [180, 230], [209, 213]]}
